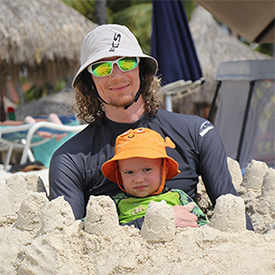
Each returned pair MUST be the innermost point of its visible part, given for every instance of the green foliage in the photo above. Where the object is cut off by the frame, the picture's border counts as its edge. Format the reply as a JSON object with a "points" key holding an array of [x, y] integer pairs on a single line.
{"points": [[85, 7], [265, 49], [119, 5], [138, 19], [35, 92], [189, 6]]}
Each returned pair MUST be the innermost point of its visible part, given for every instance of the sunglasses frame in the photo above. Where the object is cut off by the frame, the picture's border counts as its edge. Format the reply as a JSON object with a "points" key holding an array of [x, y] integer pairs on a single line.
{"points": [[90, 70]]}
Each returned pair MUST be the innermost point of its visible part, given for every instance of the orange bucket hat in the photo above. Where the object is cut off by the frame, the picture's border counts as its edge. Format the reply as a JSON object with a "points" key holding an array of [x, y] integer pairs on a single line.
{"points": [[143, 143]]}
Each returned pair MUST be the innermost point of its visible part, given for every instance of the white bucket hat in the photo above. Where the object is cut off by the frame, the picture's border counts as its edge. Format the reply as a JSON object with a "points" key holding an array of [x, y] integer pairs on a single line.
{"points": [[108, 41]]}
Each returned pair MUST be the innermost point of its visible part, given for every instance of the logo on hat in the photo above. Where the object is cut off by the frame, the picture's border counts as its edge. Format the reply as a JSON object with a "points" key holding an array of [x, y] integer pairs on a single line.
{"points": [[115, 42]]}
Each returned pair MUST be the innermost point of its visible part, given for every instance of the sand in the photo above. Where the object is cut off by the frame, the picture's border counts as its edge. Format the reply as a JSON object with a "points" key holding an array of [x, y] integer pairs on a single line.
{"points": [[42, 237]]}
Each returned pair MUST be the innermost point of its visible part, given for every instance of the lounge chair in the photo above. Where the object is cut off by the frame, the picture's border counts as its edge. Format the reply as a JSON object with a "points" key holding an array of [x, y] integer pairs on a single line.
{"points": [[25, 138]]}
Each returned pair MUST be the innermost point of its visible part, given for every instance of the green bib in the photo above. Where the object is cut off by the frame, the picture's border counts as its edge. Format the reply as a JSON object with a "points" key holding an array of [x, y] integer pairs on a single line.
{"points": [[132, 208]]}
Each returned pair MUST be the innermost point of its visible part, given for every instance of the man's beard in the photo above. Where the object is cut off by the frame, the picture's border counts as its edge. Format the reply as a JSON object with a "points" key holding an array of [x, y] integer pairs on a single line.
{"points": [[125, 101]]}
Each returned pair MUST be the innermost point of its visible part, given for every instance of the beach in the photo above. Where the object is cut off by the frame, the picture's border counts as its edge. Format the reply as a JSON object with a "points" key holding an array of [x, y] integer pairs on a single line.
{"points": [[42, 237]]}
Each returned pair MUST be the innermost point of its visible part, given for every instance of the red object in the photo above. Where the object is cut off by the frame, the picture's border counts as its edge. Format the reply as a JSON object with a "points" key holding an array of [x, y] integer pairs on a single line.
{"points": [[11, 110], [11, 113]]}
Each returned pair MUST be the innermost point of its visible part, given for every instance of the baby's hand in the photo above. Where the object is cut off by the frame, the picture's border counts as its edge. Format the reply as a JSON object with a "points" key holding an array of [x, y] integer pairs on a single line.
{"points": [[190, 206]]}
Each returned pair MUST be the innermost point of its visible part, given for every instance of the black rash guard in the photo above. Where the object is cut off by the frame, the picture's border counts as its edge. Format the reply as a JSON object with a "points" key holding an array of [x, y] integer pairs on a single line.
{"points": [[75, 169]]}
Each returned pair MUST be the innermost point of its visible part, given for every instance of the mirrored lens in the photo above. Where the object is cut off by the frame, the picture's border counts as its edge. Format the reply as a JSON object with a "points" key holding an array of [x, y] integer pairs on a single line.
{"points": [[127, 63], [102, 69]]}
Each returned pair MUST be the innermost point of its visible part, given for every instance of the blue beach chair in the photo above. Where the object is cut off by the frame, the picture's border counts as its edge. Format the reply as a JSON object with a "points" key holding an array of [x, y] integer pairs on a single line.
{"points": [[33, 146]]}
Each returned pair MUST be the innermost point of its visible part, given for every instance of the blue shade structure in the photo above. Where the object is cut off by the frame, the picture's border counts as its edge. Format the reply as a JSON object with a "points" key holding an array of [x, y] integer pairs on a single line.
{"points": [[172, 43]]}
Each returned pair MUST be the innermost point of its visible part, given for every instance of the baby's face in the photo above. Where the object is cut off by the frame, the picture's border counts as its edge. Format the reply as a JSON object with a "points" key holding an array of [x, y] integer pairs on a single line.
{"points": [[140, 176]]}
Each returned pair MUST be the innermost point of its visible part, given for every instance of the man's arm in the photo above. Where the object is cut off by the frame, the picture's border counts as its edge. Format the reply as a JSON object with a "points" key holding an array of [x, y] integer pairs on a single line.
{"points": [[213, 167], [64, 182]]}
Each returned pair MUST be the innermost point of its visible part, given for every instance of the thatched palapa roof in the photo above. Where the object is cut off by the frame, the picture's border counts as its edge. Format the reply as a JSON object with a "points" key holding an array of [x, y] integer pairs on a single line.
{"points": [[40, 38], [253, 20], [213, 45]]}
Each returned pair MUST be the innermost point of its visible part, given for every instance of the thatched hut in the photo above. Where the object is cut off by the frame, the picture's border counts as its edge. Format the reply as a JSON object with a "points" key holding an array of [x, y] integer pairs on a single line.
{"points": [[213, 45], [40, 39]]}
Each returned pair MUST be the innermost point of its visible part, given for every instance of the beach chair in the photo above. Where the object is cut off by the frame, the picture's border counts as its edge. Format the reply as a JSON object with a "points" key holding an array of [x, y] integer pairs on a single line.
{"points": [[25, 138]]}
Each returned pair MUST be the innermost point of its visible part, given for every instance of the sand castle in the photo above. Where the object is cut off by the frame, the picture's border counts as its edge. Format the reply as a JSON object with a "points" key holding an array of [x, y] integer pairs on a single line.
{"points": [[42, 237]]}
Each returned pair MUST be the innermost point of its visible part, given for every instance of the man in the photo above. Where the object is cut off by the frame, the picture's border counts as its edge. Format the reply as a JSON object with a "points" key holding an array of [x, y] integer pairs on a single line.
{"points": [[115, 91]]}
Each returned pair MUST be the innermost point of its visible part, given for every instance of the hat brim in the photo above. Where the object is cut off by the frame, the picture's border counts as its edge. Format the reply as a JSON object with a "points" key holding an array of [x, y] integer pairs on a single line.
{"points": [[110, 168]]}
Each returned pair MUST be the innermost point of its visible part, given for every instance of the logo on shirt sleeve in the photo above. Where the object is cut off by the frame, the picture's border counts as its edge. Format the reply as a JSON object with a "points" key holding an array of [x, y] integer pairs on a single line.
{"points": [[205, 128]]}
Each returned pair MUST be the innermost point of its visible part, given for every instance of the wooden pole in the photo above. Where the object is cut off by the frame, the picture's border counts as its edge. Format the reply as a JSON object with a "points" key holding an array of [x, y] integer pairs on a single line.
{"points": [[2, 104]]}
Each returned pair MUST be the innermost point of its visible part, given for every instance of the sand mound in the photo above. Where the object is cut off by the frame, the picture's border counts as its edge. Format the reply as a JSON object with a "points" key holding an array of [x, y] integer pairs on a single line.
{"points": [[42, 237]]}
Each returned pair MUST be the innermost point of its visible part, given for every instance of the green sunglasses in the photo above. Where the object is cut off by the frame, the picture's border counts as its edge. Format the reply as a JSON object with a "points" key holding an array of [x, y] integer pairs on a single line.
{"points": [[105, 68]]}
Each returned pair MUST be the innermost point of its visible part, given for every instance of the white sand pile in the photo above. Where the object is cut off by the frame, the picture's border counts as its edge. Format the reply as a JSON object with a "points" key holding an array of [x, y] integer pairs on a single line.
{"points": [[42, 237]]}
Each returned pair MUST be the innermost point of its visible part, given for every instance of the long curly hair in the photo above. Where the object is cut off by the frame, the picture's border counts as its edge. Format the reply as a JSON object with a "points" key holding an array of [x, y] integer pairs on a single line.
{"points": [[91, 110]]}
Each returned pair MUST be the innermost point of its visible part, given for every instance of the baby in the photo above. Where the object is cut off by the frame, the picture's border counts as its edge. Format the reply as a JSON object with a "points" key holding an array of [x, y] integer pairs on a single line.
{"points": [[140, 167]]}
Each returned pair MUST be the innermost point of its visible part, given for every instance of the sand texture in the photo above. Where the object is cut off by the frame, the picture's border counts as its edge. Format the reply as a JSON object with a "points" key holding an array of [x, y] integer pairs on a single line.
{"points": [[42, 237]]}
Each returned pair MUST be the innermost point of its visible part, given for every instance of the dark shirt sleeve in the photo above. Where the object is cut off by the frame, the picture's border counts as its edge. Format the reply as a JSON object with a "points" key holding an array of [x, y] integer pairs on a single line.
{"points": [[64, 179], [137, 223], [213, 166], [214, 169]]}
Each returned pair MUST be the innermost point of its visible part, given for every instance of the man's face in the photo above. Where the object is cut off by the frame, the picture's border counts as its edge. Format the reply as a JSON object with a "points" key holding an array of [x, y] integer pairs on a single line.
{"points": [[141, 176], [119, 88]]}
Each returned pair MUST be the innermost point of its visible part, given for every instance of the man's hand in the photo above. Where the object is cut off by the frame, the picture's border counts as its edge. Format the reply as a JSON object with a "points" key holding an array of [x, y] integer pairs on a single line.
{"points": [[184, 217]]}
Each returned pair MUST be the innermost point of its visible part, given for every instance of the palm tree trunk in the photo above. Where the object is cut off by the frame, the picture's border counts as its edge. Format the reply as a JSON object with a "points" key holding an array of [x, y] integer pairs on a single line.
{"points": [[100, 11]]}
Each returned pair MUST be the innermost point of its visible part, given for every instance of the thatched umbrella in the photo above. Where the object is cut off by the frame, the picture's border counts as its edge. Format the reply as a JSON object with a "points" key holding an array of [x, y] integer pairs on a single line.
{"points": [[40, 39], [254, 20], [213, 45]]}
